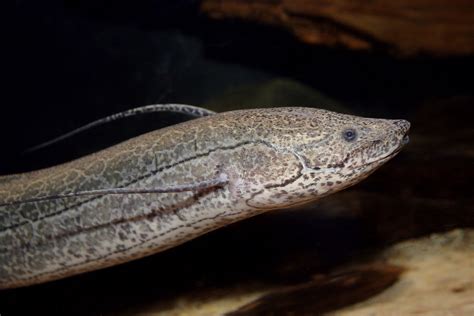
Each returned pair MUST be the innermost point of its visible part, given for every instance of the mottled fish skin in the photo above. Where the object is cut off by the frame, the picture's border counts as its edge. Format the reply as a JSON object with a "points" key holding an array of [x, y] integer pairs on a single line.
{"points": [[272, 158]]}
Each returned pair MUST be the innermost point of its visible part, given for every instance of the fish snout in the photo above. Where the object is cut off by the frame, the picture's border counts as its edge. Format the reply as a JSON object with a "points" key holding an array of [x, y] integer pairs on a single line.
{"points": [[403, 126]]}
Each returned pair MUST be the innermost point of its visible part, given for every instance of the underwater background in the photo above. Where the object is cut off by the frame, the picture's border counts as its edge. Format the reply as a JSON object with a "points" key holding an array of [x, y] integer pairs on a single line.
{"points": [[400, 242]]}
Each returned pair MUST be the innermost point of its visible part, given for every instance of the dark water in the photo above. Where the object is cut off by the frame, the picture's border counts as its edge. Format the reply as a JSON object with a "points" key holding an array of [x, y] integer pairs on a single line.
{"points": [[69, 64]]}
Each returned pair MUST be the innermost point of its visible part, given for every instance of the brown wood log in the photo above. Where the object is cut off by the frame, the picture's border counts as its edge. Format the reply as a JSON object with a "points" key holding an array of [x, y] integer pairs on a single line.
{"points": [[404, 27]]}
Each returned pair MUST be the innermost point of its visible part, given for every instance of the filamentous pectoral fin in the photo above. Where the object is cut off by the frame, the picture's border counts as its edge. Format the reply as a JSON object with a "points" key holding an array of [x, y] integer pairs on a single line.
{"points": [[219, 181]]}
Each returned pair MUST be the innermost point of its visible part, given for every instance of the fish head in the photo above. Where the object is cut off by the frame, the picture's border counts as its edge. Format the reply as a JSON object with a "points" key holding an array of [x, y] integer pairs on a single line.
{"points": [[332, 151]]}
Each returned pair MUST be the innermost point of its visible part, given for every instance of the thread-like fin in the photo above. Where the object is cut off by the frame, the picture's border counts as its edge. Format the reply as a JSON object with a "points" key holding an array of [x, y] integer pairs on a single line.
{"points": [[176, 108], [220, 181]]}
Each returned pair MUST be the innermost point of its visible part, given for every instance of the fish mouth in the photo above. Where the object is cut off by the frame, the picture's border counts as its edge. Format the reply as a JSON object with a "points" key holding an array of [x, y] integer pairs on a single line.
{"points": [[405, 140]]}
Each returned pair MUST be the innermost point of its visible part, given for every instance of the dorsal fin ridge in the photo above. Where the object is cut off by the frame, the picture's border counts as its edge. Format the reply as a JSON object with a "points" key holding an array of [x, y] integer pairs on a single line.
{"points": [[170, 107]]}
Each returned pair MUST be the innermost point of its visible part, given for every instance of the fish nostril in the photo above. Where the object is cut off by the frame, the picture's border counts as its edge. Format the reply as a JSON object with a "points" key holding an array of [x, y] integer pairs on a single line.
{"points": [[405, 140]]}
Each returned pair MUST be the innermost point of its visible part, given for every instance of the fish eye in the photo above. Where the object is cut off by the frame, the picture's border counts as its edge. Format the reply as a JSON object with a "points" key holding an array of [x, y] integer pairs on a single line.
{"points": [[349, 134]]}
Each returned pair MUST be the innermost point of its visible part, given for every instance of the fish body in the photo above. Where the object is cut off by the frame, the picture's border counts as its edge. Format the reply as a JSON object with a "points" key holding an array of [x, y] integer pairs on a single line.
{"points": [[234, 165]]}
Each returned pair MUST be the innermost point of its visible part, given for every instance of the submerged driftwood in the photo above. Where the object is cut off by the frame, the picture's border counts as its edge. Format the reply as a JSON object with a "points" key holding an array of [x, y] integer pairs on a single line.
{"points": [[408, 27]]}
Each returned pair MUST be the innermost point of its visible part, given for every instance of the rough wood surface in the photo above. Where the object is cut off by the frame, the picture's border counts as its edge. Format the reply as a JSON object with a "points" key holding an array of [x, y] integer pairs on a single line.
{"points": [[408, 27]]}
